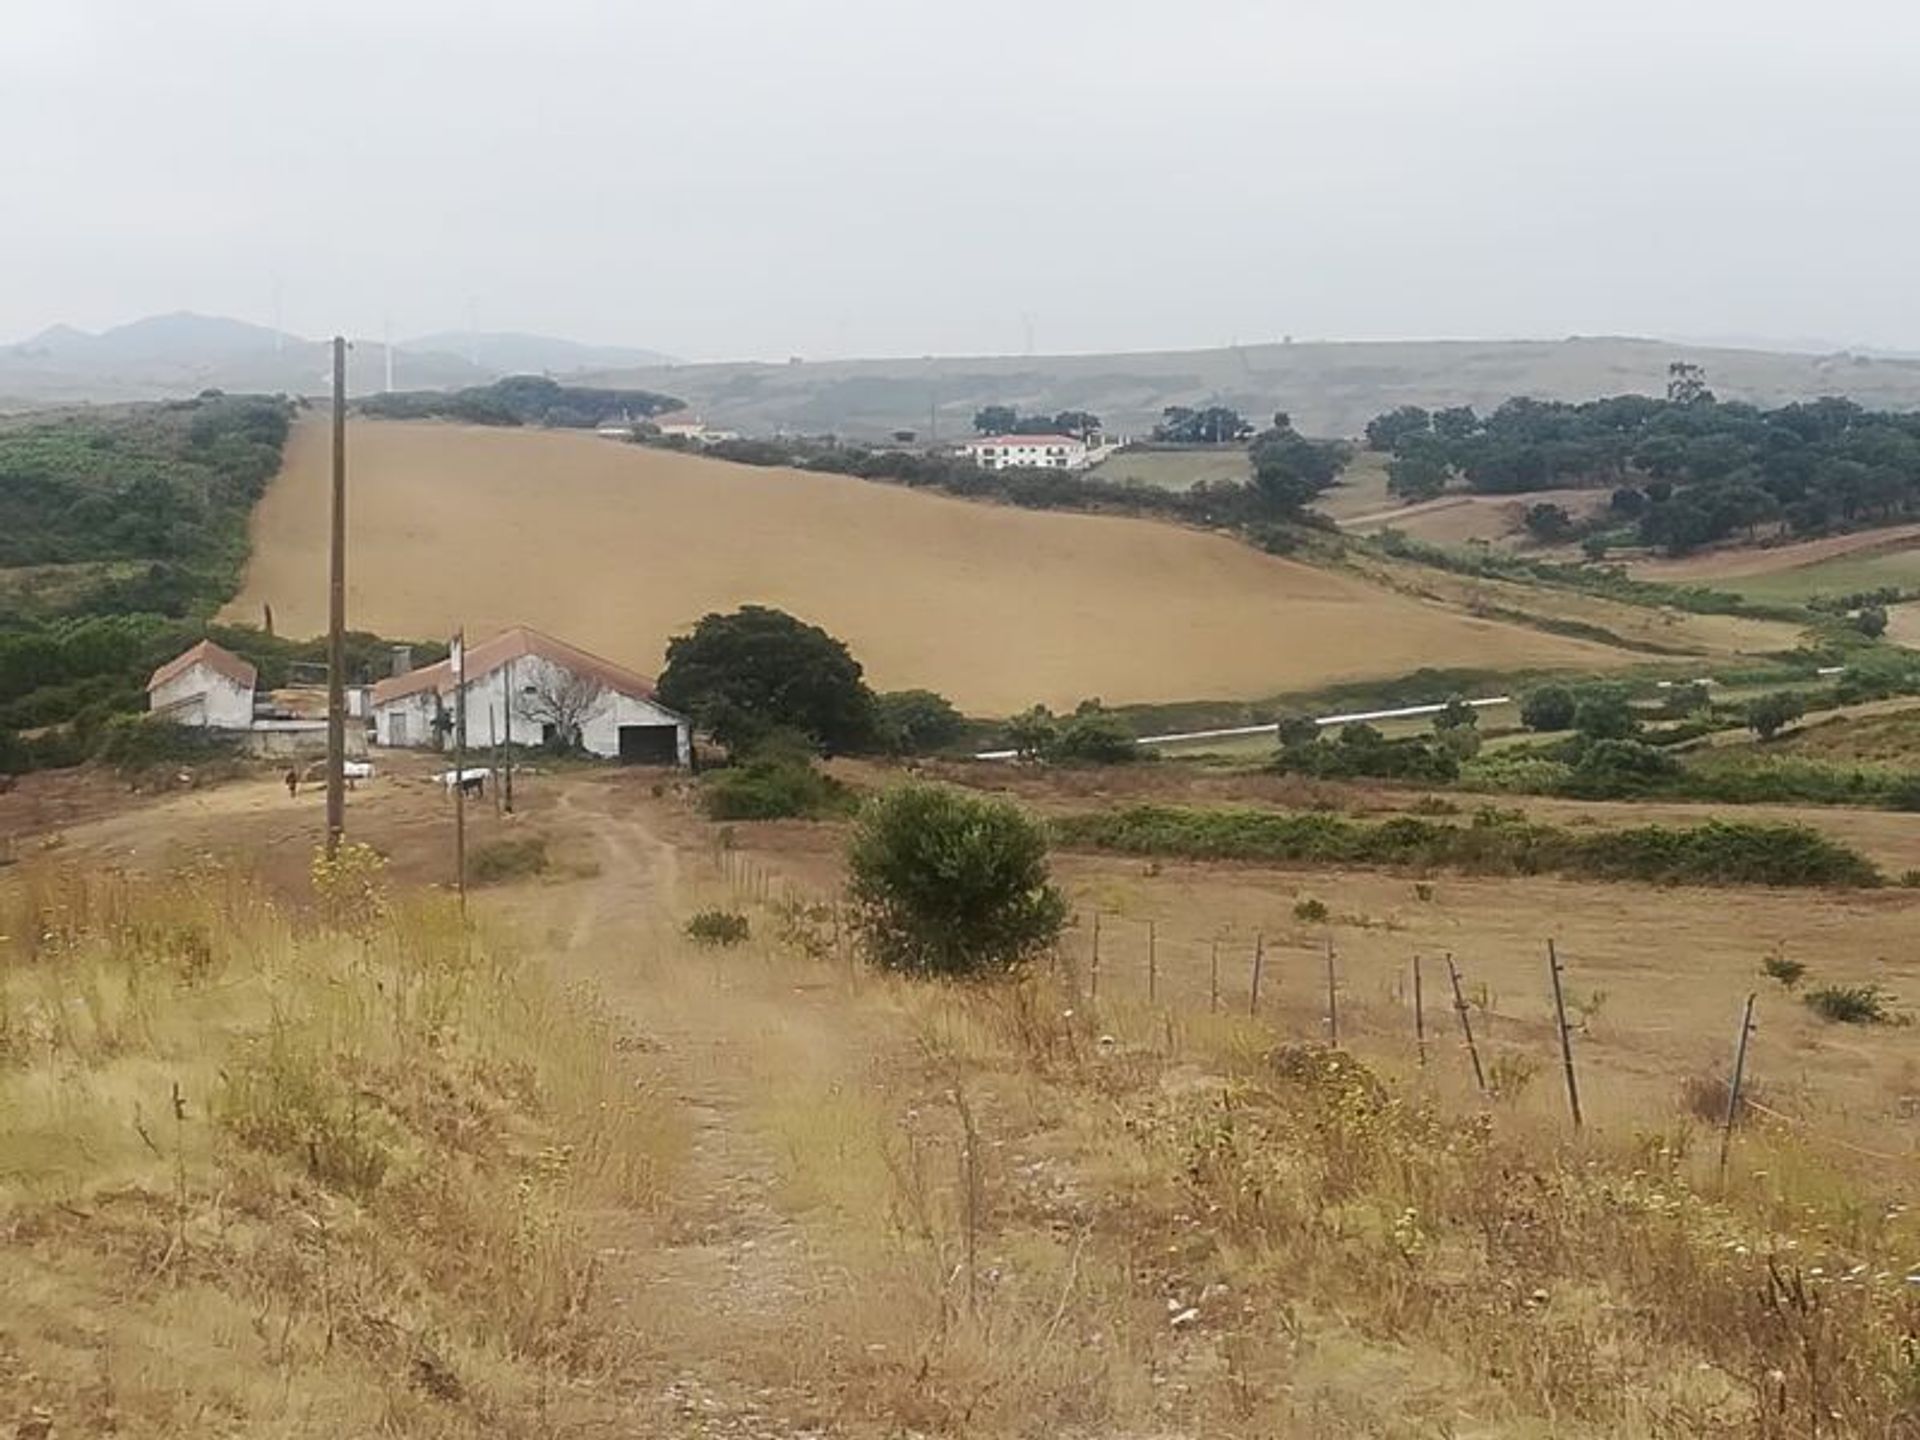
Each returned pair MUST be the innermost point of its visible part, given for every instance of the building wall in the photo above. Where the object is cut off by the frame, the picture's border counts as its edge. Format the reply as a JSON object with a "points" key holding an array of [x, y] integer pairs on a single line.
{"points": [[201, 695], [1045, 457], [487, 718]]}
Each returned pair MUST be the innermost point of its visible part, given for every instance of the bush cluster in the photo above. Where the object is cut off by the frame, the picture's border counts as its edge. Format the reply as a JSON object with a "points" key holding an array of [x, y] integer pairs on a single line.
{"points": [[949, 884], [1716, 853], [513, 859], [774, 785]]}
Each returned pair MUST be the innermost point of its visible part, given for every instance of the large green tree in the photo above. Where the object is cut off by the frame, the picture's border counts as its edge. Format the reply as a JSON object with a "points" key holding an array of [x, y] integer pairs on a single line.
{"points": [[1289, 470], [742, 675]]}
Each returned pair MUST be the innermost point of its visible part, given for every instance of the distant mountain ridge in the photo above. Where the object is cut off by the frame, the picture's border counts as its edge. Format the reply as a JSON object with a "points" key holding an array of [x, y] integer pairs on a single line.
{"points": [[176, 355]]}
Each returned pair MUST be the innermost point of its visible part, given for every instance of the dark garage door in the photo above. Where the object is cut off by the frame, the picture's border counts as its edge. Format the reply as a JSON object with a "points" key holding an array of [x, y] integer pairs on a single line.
{"points": [[649, 745]]}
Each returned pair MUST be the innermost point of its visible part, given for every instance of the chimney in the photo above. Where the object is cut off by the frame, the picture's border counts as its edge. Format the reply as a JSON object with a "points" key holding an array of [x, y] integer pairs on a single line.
{"points": [[402, 659]]}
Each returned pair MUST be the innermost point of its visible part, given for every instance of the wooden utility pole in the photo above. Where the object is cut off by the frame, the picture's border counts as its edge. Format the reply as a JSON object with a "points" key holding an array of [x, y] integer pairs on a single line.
{"points": [[1739, 1079], [337, 614], [460, 766], [1466, 1025], [1419, 1015], [1566, 1040]]}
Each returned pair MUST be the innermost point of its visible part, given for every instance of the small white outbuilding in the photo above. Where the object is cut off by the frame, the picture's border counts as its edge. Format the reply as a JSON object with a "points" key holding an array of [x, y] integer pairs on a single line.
{"points": [[531, 689], [208, 686]]}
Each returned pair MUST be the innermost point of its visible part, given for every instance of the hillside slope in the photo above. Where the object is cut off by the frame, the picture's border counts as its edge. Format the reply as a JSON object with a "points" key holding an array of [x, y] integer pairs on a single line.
{"points": [[617, 548], [1329, 388]]}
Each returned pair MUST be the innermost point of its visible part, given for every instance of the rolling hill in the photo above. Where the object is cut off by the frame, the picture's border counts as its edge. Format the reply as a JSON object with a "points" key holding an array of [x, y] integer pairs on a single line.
{"points": [[1329, 388], [618, 547], [177, 356]]}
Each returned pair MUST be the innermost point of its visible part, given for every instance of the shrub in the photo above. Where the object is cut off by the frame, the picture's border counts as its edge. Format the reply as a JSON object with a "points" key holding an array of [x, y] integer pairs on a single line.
{"points": [[1870, 621], [1097, 738], [718, 927], [1716, 853], [508, 859], [949, 884], [1310, 910], [137, 742], [1779, 967], [1550, 707], [773, 785], [1031, 733], [1611, 768], [1905, 794], [1704, 1096], [1852, 1004], [1604, 714], [916, 722], [1768, 715]]}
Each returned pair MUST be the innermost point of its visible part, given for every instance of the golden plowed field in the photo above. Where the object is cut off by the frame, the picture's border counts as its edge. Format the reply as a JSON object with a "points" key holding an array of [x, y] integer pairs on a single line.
{"points": [[617, 548]]}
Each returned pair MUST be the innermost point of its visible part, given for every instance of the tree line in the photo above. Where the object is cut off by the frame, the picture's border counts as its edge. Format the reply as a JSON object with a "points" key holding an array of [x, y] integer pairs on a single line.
{"points": [[1685, 470], [521, 400]]}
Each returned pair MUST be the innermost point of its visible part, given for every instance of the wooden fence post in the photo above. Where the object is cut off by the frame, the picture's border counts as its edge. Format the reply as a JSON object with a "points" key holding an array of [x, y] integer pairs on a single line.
{"points": [[1213, 977], [1566, 1038], [1153, 962], [1466, 1025], [1093, 972], [1739, 1079], [1333, 999], [1419, 1015], [1259, 959]]}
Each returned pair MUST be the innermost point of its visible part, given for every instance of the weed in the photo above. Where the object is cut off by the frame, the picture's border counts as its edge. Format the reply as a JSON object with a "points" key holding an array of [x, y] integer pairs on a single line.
{"points": [[1853, 1005], [1510, 1072], [514, 859], [1309, 910], [1787, 971], [718, 927]]}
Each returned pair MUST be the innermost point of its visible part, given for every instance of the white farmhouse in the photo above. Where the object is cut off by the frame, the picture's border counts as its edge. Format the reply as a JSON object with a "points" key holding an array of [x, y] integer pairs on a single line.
{"points": [[526, 686], [1040, 452], [208, 686], [685, 425]]}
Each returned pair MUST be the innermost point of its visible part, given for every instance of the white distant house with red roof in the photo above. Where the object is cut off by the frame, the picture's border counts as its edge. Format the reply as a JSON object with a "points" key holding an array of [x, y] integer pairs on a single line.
{"points": [[209, 686], [523, 685], [685, 425], [1040, 452]]}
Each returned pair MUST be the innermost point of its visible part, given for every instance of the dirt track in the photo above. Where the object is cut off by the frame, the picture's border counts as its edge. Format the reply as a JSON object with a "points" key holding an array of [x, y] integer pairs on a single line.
{"points": [[617, 548]]}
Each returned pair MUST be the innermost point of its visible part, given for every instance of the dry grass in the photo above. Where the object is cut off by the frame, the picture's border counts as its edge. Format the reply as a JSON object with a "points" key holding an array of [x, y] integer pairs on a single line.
{"points": [[288, 1175], [618, 548]]}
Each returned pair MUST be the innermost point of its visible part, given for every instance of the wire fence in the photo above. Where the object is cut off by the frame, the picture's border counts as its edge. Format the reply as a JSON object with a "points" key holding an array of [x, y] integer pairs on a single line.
{"points": [[1432, 1008]]}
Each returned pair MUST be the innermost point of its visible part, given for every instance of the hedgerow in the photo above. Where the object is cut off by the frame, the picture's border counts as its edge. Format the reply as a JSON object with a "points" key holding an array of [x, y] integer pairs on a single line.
{"points": [[1494, 843]]}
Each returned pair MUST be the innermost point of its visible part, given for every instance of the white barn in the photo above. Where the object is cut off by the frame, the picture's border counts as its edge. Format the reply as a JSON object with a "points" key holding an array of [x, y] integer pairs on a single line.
{"points": [[208, 686], [522, 684]]}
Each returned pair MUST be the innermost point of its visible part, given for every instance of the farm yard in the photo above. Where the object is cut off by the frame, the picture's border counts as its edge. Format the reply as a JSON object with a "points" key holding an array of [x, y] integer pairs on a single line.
{"points": [[620, 547]]}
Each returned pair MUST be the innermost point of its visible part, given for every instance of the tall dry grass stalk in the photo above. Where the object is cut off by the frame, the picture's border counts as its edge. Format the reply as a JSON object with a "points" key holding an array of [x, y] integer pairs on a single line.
{"points": [[1142, 1223], [316, 1173]]}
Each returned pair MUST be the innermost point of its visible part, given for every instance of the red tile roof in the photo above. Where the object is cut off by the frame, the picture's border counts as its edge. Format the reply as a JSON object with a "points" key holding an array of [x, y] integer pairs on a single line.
{"points": [[1028, 440], [217, 659], [489, 655]]}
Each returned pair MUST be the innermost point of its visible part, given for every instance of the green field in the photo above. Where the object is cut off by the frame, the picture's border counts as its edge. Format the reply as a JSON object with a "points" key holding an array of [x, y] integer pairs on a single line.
{"points": [[1842, 575], [1177, 469]]}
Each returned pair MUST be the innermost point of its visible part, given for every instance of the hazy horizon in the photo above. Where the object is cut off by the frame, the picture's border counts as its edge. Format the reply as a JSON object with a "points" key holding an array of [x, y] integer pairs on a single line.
{"points": [[980, 180]]}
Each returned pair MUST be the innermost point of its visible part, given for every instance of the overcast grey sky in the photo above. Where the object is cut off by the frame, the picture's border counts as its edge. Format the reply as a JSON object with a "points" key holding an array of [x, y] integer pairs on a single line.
{"points": [[727, 178]]}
